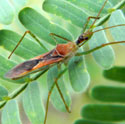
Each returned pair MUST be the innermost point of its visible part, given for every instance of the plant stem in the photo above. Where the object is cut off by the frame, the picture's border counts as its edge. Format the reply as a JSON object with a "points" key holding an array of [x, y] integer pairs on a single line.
{"points": [[106, 17], [21, 89]]}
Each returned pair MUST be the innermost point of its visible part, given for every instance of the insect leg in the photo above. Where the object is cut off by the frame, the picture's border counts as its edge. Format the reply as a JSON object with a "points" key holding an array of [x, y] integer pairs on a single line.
{"points": [[98, 47], [98, 14], [49, 93], [87, 22], [66, 106], [36, 39], [53, 37]]}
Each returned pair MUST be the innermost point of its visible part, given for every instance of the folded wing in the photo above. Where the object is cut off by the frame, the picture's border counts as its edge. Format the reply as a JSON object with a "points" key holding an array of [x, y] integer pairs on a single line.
{"points": [[36, 64]]}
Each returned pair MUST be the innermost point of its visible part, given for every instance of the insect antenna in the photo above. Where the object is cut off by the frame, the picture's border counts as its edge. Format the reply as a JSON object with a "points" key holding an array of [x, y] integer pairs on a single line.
{"points": [[83, 38], [108, 28]]}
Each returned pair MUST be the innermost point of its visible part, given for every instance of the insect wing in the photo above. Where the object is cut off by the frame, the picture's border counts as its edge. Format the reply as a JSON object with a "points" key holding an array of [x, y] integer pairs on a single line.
{"points": [[21, 69], [32, 65]]}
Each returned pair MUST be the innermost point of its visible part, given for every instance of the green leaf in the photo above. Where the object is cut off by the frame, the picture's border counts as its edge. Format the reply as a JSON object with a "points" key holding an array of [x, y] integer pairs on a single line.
{"points": [[117, 18], [102, 112], [10, 113], [109, 93], [27, 49], [3, 93], [78, 75], [19, 3], [55, 97], [5, 66], [74, 11], [6, 12], [90, 6], [105, 56], [82, 121], [71, 28], [41, 26], [114, 1], [66, 10], [115, 73], [32, 104]]}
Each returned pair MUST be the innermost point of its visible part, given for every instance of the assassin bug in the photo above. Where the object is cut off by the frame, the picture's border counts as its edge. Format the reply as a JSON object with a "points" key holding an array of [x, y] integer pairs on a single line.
{"points": [[60, 54]]}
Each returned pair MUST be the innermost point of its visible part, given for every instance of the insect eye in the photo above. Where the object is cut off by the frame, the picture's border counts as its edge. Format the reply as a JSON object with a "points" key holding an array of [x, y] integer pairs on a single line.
{"points": [[86, 38], [81, 38]]}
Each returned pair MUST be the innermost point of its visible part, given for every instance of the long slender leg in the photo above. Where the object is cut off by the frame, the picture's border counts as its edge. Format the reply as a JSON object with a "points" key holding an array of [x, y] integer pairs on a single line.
{"points": [[36, 39], [53, 36], [98, 47], [87, 22], [97, 17], [49, 94], [98, 14], [66, 106], [47, 105], [59, 90]]}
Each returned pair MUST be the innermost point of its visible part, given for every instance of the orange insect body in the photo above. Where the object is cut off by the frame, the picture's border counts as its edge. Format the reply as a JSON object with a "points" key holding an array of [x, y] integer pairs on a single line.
{"points": [[61, 53]]}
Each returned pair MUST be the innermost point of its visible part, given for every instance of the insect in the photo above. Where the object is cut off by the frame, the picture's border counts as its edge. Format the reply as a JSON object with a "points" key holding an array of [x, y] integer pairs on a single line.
{"points": [[60, 54]]}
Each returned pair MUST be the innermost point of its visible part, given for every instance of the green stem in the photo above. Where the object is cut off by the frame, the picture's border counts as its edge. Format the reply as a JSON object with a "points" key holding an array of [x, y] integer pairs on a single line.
{"points": [[106, 17], [37, 76], [21, 89], [98, 47], [119, 5], [102, 20], [62, 72], [3, 104]]}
